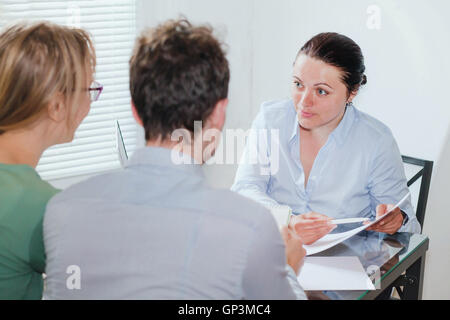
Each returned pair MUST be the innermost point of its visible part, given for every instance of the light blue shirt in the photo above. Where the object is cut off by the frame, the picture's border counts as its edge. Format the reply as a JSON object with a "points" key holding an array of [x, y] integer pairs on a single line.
{"points": [[358, 168], [156, 230]]}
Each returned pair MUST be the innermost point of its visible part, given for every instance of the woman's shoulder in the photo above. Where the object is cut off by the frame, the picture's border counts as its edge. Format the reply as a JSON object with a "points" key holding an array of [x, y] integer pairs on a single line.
{"points": [[273, 106], [371, 126], [276, 113], [22, 183]]}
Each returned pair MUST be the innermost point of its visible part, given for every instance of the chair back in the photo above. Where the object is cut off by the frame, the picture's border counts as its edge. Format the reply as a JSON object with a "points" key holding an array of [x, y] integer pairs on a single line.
{"points": [[423, 170]]}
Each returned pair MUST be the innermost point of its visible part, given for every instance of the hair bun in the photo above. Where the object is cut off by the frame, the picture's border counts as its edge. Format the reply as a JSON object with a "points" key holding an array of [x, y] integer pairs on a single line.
{"points": [[364, 80]]}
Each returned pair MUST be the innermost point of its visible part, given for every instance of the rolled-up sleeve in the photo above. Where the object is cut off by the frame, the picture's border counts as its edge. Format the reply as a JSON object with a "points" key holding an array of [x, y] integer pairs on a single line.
{"points": [[253, 175], [388, 184]]}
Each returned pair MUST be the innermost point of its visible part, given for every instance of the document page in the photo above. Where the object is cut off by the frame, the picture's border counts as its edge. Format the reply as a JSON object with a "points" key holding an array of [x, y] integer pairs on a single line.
{"points": [[330, 240], [334, 274]]}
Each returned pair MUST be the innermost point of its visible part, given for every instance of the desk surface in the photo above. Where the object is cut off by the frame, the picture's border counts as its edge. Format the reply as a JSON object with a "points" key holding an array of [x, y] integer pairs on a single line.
{"points": [[379, 253]]}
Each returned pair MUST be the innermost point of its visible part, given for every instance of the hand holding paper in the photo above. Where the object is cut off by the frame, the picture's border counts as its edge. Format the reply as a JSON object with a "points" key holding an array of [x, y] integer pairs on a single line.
{"points": [[389, 224], [331, 240], [295, 253], [312, 226]]}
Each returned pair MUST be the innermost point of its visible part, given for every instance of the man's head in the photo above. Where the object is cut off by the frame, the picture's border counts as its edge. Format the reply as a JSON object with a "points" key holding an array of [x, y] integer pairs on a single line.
{"points": [[178, 75]]}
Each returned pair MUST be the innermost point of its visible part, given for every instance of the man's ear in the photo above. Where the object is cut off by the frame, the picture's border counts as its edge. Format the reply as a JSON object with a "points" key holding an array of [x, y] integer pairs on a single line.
{"points": [[57, 109], [136, 115], [217, 118]]}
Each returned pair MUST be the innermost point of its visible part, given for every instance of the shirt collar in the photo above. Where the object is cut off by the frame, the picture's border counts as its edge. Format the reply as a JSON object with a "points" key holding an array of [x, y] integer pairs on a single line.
{"points": [[343, 129], [164, 157], [295, 126], [339, 134]]}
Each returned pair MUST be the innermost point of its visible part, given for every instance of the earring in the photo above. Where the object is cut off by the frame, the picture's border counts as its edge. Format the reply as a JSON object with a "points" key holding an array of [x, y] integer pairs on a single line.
{"points": [[349, 104]]}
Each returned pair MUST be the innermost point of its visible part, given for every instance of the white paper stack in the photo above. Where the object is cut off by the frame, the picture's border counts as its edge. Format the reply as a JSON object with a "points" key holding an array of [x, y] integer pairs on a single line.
{"points": [[334, 274]]}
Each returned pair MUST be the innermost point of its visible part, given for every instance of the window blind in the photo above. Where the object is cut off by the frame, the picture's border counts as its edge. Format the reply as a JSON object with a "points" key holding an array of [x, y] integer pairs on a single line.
{"points": [[112, 24]]}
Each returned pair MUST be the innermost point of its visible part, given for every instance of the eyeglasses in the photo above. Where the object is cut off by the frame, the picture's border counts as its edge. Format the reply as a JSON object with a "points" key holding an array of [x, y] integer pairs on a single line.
{"points": [[95, 90]]}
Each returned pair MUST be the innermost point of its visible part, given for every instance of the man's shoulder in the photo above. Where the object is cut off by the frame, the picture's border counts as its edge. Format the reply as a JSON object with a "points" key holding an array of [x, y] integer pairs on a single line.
{"points": [[231, 205], [222, 203], [89, 188]]}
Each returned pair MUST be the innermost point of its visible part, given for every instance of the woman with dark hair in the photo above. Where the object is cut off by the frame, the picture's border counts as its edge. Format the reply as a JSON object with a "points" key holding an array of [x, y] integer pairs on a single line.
{"points": [[320, 155]]}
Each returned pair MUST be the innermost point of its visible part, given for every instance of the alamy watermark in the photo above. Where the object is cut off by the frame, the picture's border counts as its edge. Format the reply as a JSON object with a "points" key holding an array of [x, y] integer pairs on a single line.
{"points": [[374, 17], [256, 147], [73, 281], [374, 274], [73, 15]]}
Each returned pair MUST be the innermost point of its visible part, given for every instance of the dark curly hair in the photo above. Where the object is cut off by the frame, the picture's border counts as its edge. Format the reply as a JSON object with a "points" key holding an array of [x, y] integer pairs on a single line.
{"points": [[178, 73], [339, 51]]}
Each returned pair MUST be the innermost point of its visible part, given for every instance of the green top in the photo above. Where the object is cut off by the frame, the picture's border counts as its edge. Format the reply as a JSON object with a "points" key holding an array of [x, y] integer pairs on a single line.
{"points": [[23, 198]]}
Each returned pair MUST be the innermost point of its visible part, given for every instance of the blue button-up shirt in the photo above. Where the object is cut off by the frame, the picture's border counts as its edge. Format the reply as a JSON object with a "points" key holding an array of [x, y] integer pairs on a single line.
{"points": [[358, 168], [156, 230]]}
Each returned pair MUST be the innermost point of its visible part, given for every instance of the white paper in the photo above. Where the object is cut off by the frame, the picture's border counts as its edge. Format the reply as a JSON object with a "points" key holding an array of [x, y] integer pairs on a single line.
{"points": [[330, 240], [334, 273]]}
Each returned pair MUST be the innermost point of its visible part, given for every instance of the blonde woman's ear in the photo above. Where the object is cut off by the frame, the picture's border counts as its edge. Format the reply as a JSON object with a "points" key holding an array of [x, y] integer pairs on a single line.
{"points": [[57, 109]]}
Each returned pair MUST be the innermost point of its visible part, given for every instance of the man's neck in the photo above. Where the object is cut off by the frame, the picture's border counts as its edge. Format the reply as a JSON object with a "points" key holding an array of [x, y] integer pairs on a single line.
{"points": [[189, 150]]}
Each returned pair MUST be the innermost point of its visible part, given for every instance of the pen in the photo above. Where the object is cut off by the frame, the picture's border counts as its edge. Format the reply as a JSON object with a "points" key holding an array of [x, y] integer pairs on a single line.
{"points": [[289, 217], [350, 220]]}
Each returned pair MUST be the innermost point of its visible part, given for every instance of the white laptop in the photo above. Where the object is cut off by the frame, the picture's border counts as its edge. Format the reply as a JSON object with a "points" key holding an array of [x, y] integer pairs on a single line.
{"points": [[121, 150]]}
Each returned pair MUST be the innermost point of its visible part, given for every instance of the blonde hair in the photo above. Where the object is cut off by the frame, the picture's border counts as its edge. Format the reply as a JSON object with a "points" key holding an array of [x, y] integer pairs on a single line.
{"points": [[37, 62]]}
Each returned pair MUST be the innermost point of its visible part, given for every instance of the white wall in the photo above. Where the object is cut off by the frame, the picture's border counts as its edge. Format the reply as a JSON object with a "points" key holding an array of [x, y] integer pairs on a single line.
{"points": [[436, 283], [407, 70]]}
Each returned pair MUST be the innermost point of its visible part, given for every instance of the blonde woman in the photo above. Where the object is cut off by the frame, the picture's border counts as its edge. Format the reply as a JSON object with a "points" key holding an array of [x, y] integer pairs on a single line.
{"points": [[46, 88]]}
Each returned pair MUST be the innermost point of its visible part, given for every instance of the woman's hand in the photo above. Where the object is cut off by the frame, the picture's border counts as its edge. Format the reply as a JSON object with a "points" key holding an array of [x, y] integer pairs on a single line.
{"points": [[311, 226], [295, 253], [392, 223]]}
